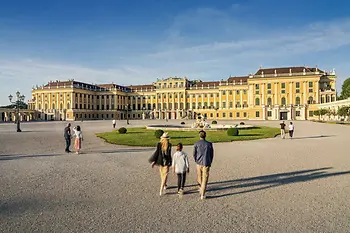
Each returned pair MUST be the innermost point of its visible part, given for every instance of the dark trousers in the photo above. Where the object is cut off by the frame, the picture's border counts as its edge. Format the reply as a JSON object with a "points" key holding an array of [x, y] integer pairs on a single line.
{"points": [[291, 133], [113, 125], [181, 180], [68, 142]]}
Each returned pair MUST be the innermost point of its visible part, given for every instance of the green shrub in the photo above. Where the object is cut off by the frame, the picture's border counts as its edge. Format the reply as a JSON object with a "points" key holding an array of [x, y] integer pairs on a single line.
{"points": [[182, 123], [122, 130], [214, 122], [232, 132], [242, 123], [158, 133]]}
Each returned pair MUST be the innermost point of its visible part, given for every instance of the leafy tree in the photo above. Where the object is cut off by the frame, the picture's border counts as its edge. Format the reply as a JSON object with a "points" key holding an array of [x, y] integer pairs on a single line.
{"points": [[345, 89], [22, 105], [343, 111], [317, 113]]}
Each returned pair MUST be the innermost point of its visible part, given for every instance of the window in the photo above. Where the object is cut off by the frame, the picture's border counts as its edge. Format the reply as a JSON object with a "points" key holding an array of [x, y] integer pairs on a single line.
{"points": [[238, 92], [211, 95], [297, 113], [283, 85], [231, 104], [269, 92], [237, 114], [310, 90], [310, 84], [297, 90], [311, 113], [328, 99], [257, 86], [310, 100], [283, 91], [333, 98], [269, 101], [297, 85], [269, 113], [322, 99], [205, 95], [230, 114], [211, 114], [224, 92], [224, 115], [297, 100], [244, 92], [269, 86], [230, 92], [257, 101], [68, 106], [244, 114], [217, 104], [53, 106], [224, 104], [257, 114], [283, 101]]}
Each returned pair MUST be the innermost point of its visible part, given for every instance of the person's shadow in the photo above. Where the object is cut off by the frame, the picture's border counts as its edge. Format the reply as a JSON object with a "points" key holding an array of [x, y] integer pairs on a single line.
{"points": [[233, 187]]}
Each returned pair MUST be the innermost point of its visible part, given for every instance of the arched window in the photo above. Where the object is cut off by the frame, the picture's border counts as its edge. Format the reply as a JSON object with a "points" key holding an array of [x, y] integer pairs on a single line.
{"points": [[61, 106], [311, 100], [322, 99], [53, 106], [257, 101], [39, 106], [328, 99], [297, 100], [269, 101], [68, 106], [45, 106], [283, 101]]}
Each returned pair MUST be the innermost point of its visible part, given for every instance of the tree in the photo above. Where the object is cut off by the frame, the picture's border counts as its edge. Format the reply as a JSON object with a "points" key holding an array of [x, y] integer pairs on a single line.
{"points": [[343, 111], [345, 89], [317, 113], [323, 111]]}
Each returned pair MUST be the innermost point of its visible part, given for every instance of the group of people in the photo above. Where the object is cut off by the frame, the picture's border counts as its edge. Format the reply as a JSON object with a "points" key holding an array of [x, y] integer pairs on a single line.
{"points": [[203, 154], [290, 130], [78, 135]]}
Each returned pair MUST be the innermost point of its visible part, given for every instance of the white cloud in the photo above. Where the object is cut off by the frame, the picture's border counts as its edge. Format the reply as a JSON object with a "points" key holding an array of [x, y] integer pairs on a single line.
{"points": [[202, 43]]}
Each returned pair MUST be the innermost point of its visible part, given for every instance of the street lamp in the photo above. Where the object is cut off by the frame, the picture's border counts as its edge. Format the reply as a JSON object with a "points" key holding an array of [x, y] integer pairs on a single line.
{"points": [[127, 113], [18, 102]]}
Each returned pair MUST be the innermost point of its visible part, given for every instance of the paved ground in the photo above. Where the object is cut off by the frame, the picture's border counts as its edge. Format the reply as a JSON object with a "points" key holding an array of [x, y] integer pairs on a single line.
{"points": [[272, 185]]}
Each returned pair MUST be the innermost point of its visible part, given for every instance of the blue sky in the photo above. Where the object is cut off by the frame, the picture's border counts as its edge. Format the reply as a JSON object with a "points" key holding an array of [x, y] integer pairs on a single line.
{"points": [[136, 42]]}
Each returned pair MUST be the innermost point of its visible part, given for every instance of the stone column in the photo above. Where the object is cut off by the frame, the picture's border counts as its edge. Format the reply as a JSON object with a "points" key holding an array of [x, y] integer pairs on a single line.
{"points": [[196, 101], [191, 100], [264, 112], [263, 94], [241, 98], [305, 91], [215, 100], [290, 93], [227, 102], [250, 95], [234, 98], [276, 93], [220, 99]]}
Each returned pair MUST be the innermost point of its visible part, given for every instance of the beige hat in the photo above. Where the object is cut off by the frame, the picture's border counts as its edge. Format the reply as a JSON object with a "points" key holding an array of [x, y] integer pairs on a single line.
{"points": [[165, 135]]}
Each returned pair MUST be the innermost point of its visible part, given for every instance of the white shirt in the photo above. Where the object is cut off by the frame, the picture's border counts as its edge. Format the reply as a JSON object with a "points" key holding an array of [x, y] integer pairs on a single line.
{"points": [[78, 134], [180, 162], [113, 122], [291, 127]]}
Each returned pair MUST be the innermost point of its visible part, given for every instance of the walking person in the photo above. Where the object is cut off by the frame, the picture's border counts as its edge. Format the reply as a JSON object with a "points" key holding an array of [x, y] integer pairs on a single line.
{"points": [[78, 139], [67, 136], [180, 167], [291, 130], [162, 158], [203, 153], [283, 130], [114, 122]]}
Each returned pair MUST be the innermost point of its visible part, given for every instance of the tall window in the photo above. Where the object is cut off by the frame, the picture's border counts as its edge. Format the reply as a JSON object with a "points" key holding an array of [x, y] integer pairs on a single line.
{"points": [[53, 106], [257, 101], [297, 100], [283, 101], [297, 85], [269, 86], [269, 101], [311, 100], [310, 84], [283, 85]]}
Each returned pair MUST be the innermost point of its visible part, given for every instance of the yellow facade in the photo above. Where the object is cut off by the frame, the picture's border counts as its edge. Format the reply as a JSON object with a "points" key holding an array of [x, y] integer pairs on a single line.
{"points": [[270, 94]]}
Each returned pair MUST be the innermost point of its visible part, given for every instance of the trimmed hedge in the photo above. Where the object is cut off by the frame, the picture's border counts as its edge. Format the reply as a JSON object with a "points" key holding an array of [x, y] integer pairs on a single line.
{"points": [[158, 133], [122, 130], [214, 122], [232, 132]]}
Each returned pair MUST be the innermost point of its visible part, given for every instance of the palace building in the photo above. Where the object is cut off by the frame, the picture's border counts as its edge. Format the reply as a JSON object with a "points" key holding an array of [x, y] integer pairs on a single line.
{"points": [[290, 93]]}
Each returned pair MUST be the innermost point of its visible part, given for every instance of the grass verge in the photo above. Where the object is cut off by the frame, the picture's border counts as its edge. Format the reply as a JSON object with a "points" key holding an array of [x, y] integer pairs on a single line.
{"points": [[145, 138]]}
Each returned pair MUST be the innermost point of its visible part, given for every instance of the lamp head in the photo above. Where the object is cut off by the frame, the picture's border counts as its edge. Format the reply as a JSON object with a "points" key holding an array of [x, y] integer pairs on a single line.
{"points": [[10, 98], [18, 94]]}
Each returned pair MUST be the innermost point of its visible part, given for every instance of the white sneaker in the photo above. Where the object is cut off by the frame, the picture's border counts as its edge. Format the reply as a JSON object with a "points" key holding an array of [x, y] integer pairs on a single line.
{"points": [[202, 197]]}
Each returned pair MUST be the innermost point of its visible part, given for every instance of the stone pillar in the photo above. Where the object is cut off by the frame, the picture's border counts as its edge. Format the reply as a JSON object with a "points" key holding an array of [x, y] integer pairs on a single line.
{"points": [[305, 93], [276, 94], [290, 93], [264, 112], [191, 100], [220, 99], [241, 98], [263, 94], [196, 101], [234, 99]]}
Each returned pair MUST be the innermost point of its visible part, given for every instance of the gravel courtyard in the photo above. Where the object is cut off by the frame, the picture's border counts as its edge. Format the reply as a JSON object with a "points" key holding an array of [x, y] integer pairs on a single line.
{"points": [[270, 185]]}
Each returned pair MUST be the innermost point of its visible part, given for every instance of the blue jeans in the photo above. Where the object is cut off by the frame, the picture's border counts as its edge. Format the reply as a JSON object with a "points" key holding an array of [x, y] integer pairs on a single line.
{"points": [[68, 142]]}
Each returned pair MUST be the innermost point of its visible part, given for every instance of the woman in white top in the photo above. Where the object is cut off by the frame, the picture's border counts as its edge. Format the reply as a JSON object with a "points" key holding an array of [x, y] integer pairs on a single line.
{"points": [[291, 130], [78, 138]]}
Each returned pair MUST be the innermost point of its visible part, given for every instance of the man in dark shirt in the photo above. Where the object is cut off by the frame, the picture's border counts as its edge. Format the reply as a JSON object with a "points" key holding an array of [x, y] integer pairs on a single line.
{"points": [[283, 130], [203, 153], [67, 136]]}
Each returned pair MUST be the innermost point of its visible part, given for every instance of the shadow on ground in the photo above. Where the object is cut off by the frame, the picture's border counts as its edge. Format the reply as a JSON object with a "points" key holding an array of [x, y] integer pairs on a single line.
{"points": [[252, 184]]}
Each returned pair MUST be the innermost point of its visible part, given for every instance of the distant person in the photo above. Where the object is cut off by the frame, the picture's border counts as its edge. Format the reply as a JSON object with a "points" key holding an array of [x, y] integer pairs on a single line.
{"points": [[203, 153], [180, 167], [283, 130], [67, 136], [114, 122], [78, 139], [291, 130], [162, 158]]}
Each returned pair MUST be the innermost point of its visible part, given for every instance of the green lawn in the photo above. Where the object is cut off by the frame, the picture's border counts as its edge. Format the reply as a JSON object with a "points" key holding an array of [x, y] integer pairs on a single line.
{"points": [[144, 137]]}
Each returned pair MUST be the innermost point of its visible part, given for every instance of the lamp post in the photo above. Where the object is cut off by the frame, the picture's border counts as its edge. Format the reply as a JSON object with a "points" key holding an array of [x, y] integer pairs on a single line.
{"points": [[19, 100], [127, 113]]}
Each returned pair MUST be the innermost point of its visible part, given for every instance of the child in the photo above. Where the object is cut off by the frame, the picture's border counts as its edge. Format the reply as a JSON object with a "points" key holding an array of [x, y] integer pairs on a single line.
{"points": [[78, 138], [180, 167]]}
